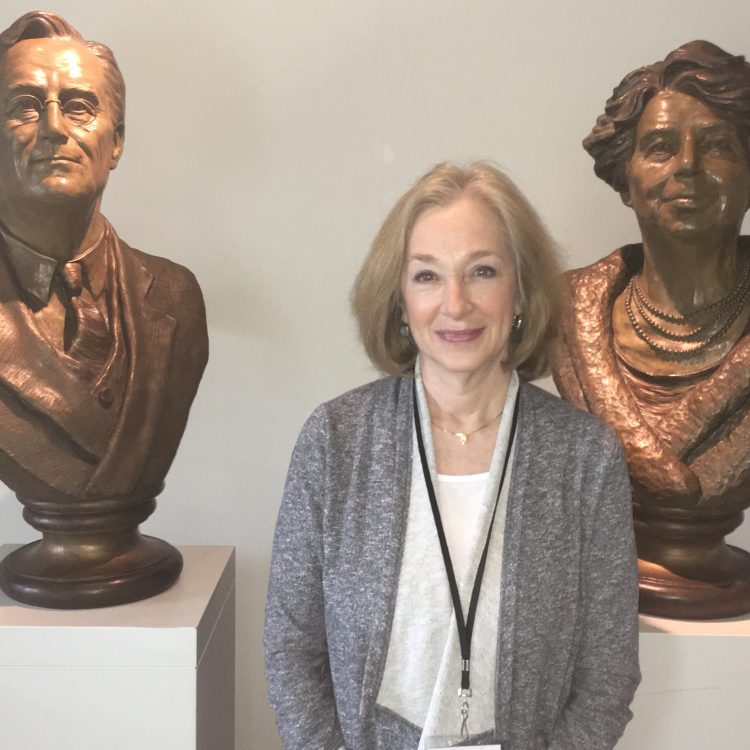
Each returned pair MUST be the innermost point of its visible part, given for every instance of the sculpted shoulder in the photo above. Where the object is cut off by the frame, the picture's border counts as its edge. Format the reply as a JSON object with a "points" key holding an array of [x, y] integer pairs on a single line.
{"points": [[174, 291], [167, 274], [173, 287], [609, 270], [563, 419]]}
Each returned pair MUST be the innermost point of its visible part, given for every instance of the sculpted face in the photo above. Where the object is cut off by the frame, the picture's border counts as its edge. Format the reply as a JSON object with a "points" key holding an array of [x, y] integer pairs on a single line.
{"points": [[56, 151], [689, 173], [459, 288]]}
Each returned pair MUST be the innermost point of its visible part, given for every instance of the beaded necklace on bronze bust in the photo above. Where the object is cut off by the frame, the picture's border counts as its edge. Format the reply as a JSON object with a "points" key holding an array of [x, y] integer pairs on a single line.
{"points": [[708, 323]]}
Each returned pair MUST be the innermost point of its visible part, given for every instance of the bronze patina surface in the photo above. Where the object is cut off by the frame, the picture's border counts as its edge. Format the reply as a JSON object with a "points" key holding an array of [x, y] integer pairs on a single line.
{"points": [[102, 346], [656, 336]]}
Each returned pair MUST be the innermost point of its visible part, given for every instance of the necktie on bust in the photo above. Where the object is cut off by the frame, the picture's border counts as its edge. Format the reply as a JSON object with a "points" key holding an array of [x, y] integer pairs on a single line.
{"points": [[90, 340]]}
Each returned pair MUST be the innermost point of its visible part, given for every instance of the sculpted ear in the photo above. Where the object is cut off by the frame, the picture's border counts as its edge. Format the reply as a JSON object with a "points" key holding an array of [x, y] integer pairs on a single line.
{"points": [[119, 144]]}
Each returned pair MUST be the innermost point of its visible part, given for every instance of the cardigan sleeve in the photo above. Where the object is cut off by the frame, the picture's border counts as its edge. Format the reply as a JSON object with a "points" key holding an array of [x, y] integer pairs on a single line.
{"points": [[296, 651], [606, 671]]}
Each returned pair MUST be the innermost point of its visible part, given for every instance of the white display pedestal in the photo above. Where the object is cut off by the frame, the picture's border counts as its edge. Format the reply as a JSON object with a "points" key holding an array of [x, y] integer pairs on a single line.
{"points": [[695, 692], [153, 675]]}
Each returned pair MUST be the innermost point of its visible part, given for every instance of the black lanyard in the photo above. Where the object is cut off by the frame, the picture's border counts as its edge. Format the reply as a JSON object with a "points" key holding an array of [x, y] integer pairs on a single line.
{"points": [[465, 627]]}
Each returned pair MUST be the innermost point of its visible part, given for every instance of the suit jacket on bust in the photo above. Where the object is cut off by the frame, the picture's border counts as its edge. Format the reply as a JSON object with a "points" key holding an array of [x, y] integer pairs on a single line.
{"points": [[59, 436], [567, 648]]}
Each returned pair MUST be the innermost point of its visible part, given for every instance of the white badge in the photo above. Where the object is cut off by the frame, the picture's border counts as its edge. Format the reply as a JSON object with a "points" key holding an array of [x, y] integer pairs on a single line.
{"points": [[450, 743]]}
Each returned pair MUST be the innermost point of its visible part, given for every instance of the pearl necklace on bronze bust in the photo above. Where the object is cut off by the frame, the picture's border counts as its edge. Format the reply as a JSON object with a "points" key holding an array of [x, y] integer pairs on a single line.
{"points": [[695, 331]]}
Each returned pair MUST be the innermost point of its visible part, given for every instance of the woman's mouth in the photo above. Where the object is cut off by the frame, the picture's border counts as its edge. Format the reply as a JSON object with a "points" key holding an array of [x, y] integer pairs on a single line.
{"points": [[460, 337]]}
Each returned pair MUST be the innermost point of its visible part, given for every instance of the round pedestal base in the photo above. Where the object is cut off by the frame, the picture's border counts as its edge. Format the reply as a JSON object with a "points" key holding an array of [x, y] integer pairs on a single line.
{"points": [[666, 594], [34, 575], [685, 567]]}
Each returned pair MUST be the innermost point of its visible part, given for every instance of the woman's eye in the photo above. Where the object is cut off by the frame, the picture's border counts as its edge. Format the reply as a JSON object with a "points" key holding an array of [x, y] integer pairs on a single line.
{"points": [[424, 276], [485, 272]]}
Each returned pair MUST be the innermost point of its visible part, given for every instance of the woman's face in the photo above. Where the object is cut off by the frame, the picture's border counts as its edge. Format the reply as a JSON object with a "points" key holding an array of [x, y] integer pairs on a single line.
{"points": [[689, 174], [459, 288]]}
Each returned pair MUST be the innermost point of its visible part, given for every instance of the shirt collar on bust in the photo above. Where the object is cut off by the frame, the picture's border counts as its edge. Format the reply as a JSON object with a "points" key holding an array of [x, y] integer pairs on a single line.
{"points": [[94, 262], [35, 270]]}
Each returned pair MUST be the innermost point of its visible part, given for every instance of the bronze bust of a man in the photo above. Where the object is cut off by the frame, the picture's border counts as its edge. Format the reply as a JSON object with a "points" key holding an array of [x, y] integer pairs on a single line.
{"points": [[656, 339], [102, 346]]}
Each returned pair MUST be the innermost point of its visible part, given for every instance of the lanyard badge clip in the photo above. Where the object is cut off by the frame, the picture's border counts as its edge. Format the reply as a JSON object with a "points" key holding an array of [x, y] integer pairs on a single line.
{"points": [[464, 694]]}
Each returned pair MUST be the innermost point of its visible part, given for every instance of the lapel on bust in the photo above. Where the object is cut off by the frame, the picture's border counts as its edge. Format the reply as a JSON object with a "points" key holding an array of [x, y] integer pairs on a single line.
{"points": [[590, 337], [148, 334], [32, 370]]}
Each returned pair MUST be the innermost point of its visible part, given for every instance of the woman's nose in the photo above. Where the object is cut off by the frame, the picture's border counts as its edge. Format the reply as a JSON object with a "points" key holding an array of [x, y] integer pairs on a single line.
{"points": [[456, 299]]}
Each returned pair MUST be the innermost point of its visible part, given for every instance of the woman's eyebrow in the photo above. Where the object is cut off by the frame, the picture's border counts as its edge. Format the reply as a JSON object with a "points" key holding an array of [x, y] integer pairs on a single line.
{"points": [[427, 258]]}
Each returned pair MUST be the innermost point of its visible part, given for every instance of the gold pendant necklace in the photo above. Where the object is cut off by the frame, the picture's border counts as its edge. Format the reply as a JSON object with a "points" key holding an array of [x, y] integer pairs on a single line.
{"points": [[463, 437]]}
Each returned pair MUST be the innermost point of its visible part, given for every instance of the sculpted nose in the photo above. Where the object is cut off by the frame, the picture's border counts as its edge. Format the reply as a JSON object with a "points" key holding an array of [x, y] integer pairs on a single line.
{"points": [[688, 158], [52, 122]]}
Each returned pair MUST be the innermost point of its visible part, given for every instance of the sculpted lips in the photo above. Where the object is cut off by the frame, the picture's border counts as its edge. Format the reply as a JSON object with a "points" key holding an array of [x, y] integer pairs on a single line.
{"points": [[459, 337], [53, 159], [683, 198]]}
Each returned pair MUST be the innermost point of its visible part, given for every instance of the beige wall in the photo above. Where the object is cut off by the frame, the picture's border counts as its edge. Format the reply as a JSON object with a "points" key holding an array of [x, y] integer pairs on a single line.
{"points": [[265, 142]]}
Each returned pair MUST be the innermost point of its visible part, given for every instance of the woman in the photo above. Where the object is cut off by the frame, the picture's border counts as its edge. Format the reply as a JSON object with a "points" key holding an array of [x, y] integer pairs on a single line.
{"points": [[454, 464], [656, 338]]}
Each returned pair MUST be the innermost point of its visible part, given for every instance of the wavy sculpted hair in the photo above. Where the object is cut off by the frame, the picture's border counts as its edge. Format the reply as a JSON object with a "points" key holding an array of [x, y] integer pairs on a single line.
{"points": [[40, 24], [700, 69], [376, 296]]}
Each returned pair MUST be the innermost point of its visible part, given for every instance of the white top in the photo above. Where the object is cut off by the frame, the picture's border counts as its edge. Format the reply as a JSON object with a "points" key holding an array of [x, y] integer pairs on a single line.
{"points": [[460, 502], [423, 666]]}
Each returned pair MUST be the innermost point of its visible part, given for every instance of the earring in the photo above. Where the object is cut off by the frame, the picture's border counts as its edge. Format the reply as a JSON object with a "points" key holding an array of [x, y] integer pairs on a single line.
{"points": [[517, 322], [403, 329]]}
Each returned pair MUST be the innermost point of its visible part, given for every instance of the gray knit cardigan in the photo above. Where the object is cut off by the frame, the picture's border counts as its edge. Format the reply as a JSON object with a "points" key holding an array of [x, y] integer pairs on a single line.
{"points": [[568, 645]]}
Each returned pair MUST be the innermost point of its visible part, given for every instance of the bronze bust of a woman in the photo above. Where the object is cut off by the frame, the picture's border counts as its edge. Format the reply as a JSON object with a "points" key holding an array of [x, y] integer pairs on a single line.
{"points": [[656, 338]]}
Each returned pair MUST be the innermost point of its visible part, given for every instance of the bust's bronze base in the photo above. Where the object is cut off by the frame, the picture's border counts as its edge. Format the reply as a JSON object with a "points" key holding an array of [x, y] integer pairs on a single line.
{"points": [[686, 570], [91, 554], [666, 594], [38, 575]]}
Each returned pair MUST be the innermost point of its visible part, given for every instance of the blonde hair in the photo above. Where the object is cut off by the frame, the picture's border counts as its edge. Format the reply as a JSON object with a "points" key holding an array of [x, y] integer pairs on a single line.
{"points": [[376, 296]]}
